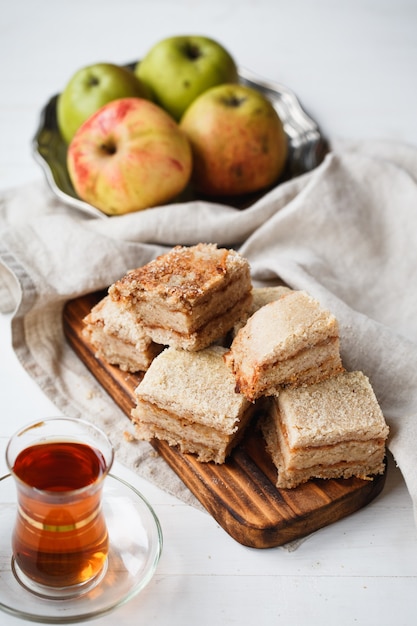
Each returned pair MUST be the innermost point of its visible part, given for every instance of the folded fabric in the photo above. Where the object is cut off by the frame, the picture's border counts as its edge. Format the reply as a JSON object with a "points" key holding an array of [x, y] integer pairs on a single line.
{"points": [[346, 233]]}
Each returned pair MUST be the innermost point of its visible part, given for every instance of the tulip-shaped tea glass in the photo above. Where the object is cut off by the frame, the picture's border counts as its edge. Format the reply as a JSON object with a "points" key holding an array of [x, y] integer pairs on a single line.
{"points": [[60, 540]]}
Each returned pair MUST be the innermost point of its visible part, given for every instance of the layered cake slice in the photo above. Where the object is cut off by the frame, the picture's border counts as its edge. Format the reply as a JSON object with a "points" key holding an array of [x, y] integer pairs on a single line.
{"points": [[189, 297], [260, 297], [289, 342], [188, 400], [332, 429], [118, 338]]}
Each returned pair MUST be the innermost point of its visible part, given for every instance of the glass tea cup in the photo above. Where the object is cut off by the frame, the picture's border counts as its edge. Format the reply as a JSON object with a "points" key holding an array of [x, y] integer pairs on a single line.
{"points": [[60, 541]]}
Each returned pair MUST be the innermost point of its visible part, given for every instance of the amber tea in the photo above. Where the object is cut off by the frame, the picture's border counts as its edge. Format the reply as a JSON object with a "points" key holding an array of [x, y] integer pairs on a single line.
{"points": [[60, 538]]}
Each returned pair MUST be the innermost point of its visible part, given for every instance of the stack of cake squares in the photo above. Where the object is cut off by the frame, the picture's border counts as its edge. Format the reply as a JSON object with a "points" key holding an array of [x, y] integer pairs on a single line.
{"points": [[322, 421], [185, 301], [217, 352]]}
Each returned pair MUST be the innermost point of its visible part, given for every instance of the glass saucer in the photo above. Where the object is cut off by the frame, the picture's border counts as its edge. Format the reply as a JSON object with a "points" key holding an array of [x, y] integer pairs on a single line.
{"points": [[135, 548]]}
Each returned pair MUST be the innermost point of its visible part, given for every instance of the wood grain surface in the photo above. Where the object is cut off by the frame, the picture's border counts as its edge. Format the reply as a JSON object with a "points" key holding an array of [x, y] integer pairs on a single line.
{"points": [[240, 494]]}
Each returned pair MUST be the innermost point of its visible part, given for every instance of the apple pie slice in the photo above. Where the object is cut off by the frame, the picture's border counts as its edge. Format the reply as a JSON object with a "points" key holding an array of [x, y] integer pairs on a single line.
{"points": [[188, 399], [118, 338], [289, 342], [189, 297], [333, 429]]}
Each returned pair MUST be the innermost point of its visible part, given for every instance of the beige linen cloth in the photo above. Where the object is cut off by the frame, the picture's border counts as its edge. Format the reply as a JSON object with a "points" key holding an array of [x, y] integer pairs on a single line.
{"points": [[346, 233]]}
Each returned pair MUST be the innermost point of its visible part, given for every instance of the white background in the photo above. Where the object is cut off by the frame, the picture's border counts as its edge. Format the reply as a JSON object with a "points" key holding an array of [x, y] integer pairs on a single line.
{"points": [[353, 66]]}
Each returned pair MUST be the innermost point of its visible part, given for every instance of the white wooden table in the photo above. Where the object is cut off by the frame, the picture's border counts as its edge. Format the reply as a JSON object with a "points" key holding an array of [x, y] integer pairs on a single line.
{"points": [[353, 65]]}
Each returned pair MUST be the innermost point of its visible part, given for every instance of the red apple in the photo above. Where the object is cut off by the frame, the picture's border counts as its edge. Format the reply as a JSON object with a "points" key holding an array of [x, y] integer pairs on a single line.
{"points": [[130, 155], [238, 141]]}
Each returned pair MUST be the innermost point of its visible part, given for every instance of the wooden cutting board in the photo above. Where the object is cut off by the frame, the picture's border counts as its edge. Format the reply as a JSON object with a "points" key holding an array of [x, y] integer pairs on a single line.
{"points": [[241, 494]]}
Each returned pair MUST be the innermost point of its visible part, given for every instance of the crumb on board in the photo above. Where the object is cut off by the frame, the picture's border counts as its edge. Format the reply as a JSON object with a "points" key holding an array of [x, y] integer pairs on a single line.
{"points": [[129, 437]]}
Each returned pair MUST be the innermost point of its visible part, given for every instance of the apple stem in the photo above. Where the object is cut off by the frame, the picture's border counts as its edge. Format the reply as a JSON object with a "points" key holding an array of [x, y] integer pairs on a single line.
{"points": [[193, 51], [235, 101], [93, 81]]}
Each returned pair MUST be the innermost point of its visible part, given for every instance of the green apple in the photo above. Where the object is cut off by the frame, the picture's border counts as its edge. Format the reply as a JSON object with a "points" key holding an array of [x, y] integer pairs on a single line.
{"points": [[128, 156], [89, 89], [238, 141], [178, 69]]}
